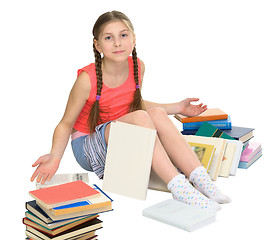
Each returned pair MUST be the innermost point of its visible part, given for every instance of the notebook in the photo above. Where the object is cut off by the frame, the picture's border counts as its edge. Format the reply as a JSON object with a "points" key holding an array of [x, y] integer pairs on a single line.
{"points": [[180, 215], [128, 160]]}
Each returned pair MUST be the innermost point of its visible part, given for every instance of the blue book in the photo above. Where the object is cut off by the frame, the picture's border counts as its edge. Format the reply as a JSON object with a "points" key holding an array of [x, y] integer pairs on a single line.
{"points": [[220, 124]]}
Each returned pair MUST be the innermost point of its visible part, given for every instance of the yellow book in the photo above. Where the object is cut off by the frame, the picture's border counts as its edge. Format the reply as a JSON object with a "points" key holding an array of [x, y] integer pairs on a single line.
{"points": [[204, 152], [220, 145]]}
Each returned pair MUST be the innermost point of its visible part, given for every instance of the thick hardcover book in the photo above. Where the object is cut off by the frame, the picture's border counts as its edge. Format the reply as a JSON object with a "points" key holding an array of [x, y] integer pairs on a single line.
{"points": [[180, 215], [62, 194], [240, 133], [129, 159], [209, 115], [91, 225], [94, 203], [220, 124]]}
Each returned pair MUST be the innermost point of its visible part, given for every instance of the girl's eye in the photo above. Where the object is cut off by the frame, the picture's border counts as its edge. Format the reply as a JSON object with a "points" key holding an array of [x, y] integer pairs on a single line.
{"points": [[124, 35], [108, 38]]}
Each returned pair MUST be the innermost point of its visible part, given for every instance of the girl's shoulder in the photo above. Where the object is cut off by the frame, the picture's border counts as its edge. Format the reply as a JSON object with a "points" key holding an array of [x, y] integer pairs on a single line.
{"points": [[90, 69]]}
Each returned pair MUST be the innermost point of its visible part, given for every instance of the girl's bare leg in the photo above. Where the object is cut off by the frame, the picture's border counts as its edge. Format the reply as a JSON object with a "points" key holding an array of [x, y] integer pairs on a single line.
{"points": [[178, 150]]}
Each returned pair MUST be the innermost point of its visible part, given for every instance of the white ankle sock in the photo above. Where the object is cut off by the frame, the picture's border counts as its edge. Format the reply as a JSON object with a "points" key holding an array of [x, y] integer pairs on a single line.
{"points": [[183, 191], [203, 183]]}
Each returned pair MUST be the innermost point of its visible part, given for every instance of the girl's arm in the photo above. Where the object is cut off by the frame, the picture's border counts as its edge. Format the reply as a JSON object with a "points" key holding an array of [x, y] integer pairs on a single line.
{"points": [[183, 107], [48, 164]]}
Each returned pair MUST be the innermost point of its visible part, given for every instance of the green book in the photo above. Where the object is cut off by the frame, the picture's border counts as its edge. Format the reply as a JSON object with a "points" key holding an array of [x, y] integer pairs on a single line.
{"points": [[208, 130]]}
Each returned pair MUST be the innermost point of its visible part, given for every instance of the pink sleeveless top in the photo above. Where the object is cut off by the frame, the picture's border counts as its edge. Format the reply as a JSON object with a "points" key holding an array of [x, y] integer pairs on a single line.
{"points": [[114, 101]]}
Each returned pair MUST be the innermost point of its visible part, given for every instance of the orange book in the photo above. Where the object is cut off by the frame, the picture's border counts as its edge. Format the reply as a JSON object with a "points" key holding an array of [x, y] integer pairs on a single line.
{"points": [[62, 194], [209, 115]]}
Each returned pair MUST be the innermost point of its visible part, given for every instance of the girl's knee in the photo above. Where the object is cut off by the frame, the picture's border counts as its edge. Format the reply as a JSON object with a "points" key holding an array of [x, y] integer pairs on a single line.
{"points": [[157, 112]]}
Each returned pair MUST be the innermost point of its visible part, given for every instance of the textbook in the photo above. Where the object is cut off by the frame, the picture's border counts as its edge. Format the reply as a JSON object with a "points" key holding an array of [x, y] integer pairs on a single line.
{"points": [[128, 160], [226, 164], [204, 152], [220, 124], [62, 194], [237, 155], [180, 215], [103, 202], [209, 115], [88, 226], [240, 133], [220, 145], [57, 230], [58, 179], [208, 130]]}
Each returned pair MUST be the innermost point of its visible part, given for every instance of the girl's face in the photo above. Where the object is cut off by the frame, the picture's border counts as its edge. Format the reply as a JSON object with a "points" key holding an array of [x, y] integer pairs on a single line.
{"points": [[116, 41]]}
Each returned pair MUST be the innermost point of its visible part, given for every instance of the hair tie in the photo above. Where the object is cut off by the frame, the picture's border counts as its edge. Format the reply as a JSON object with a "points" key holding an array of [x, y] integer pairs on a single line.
{"points": [[97, 97], [137, 85]]}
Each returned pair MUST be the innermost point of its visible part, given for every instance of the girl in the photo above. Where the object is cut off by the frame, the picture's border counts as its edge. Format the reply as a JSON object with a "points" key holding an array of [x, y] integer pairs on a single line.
{"points": [[109, 90]]}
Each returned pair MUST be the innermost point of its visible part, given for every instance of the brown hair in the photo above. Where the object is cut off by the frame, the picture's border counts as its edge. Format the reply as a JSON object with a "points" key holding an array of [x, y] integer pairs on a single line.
{"points": [[137, 103]]}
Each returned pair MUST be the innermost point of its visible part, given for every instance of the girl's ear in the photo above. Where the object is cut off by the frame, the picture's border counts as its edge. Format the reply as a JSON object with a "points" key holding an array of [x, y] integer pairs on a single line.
{"points": [[96, 44]]}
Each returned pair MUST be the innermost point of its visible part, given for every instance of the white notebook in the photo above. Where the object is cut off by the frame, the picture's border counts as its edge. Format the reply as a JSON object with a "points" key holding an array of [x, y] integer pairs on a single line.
{"points": [[180, 215], [129, 160]]}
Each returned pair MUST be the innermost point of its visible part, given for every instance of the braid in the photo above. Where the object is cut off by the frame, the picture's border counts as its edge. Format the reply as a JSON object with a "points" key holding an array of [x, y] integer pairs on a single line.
{"points": [[137, 103], [94, 116]]}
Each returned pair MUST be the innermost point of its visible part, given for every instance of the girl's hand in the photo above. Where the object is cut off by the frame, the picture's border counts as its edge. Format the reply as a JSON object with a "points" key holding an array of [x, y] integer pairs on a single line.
{"points": [[47, 167], [189, 110]]}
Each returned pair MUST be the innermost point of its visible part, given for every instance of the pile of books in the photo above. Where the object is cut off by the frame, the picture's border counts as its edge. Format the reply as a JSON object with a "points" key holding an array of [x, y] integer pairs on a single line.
{"points": [[66, 211], [221, 147]]}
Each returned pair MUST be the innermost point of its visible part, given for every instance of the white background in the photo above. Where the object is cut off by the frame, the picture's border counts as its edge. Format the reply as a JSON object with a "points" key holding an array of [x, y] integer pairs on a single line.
{"points": [[223, 52]]}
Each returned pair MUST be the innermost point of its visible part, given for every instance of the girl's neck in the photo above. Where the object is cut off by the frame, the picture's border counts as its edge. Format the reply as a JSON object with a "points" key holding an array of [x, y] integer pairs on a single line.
{"points": [[114, 68]]}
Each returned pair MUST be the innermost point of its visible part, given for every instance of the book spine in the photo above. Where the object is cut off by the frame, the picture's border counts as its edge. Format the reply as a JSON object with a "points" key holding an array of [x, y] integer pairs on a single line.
{"points": [[196, 126]]}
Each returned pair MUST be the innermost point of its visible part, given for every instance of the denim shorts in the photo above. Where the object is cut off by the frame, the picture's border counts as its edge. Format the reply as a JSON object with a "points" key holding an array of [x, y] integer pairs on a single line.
{"points": [[90, 150]]}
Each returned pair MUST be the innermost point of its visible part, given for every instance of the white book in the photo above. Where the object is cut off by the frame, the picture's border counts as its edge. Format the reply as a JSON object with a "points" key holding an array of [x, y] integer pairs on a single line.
{"points": [[58, 179], [228, 159], [129, 159], [180, 215], [237, 156]]}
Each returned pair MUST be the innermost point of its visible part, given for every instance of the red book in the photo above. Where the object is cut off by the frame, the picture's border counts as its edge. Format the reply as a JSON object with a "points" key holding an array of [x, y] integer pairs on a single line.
{"points": [[62, 194], [209, 115]]}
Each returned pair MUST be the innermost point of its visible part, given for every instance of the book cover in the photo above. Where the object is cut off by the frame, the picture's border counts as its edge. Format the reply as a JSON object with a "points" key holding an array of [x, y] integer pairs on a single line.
{"points": [[226, 164], [250, 151], [209, 115], [236, 158], [204, 152], [128, 160], [63, 194], [58, 179], [220, 145], [91, 203], [180, 215], [208, 130], [220, 124], [240, 133]]}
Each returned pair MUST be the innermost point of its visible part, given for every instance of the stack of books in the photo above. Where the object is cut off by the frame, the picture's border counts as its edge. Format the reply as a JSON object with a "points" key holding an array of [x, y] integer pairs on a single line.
{"points": [[232, 147], [66, 211]]}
